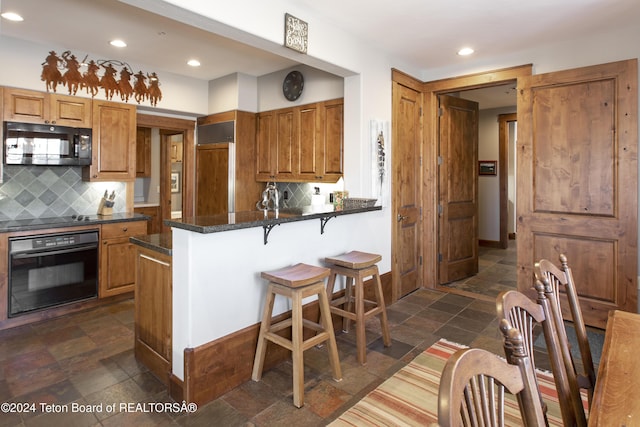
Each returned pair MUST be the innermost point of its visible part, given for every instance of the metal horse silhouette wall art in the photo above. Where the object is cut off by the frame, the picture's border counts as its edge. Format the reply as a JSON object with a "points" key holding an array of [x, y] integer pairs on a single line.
{"points": [[65, 70]]}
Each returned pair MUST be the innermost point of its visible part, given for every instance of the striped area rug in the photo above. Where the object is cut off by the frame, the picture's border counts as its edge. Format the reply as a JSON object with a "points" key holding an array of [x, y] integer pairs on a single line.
{"points": [[410, 396]]}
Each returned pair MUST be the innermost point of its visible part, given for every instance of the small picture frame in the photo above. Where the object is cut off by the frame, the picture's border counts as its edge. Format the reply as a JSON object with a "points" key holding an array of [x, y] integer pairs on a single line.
{"points": [[175, 182], [488, 167]]}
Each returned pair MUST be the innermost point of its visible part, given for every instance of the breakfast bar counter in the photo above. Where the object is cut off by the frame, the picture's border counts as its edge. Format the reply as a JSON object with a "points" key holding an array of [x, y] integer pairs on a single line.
{"points": [[265, 219], [218, 293]]}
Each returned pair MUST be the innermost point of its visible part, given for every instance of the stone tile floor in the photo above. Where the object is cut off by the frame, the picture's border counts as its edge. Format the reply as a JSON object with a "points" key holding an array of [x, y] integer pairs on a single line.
{"points": [[87, 360]]}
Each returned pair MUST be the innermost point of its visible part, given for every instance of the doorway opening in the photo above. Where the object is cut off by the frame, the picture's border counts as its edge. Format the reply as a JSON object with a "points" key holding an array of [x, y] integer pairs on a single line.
{"points": [[500, 262], [172, 183]]}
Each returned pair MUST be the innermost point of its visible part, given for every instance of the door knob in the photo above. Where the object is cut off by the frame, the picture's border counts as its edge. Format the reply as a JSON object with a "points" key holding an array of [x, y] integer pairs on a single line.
{"points": [[401, 217]]}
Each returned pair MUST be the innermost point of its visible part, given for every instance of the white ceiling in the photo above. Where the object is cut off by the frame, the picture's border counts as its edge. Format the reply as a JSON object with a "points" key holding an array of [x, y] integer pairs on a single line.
{"points": [[424, 33]]}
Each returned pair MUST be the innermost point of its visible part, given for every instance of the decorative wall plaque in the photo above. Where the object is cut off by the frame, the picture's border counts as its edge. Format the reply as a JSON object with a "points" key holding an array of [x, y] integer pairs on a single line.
{"points": [[296, 33]]}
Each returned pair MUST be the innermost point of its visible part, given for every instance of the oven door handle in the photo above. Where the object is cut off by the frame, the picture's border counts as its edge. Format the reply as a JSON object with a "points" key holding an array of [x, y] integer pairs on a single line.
{"points": [[40, 252]]}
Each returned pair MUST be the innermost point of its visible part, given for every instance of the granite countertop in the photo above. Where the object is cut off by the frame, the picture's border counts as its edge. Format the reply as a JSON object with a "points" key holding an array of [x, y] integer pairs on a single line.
{"points": [[249, 219], [66, 221], [161, 243]]}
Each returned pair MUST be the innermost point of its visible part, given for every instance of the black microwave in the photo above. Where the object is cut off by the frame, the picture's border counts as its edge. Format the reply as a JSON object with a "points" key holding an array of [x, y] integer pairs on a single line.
{"points": [[40, 144]]}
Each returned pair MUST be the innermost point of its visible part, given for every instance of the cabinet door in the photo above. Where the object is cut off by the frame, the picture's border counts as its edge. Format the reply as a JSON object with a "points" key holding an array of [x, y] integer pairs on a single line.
{"points": [[153, 312], [26, 106], [265, 169], [285, 141], [143, 152], [70, 111], [309, 143], [117, 257], [118, 267], [332, 162], [114, 143], [153, 226]]}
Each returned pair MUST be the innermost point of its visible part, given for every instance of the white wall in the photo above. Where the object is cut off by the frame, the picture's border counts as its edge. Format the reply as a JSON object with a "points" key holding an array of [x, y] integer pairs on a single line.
{"points": [[21, 68], [489, 185], [318, 86]]}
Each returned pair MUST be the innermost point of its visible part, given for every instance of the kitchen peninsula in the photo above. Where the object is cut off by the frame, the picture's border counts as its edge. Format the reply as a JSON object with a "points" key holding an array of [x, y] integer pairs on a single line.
{"points": [[218, 293]]}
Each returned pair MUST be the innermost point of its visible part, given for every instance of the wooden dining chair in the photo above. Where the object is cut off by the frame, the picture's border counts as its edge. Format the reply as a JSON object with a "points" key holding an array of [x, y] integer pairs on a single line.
{"points": [[564, 375], [474, 382], [562, 279], [523, 314]]}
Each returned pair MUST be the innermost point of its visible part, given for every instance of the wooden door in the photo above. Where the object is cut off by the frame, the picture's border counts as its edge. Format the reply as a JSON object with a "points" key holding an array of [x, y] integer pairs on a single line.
{"points": [[577, 181], [212, 179], [458, 189], [406, 241]]}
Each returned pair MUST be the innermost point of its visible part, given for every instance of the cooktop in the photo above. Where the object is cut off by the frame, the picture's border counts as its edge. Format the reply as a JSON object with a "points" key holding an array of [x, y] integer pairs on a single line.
{"points": [[65, 221]]}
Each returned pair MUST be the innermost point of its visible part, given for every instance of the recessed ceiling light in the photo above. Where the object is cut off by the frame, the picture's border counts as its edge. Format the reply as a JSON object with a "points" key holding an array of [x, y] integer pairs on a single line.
{"points": [[10, 16], [193, 62], [118, 43], [465, 51]]}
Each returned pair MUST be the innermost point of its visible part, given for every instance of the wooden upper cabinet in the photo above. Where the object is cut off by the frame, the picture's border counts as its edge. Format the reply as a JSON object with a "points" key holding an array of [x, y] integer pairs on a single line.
{"points": [[114, 143], [265, 167], [284, 144], [309, 144], [143, 152], [301, 144], [29, 106], [331, 160]]}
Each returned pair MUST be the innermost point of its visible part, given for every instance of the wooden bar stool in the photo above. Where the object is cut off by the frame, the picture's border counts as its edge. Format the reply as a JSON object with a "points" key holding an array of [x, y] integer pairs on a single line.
{"points": [[356, 266], [297, 282]]}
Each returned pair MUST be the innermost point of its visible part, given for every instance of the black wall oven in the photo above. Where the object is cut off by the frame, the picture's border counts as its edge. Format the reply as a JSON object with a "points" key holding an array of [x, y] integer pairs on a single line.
{"points": [[52, 269]]}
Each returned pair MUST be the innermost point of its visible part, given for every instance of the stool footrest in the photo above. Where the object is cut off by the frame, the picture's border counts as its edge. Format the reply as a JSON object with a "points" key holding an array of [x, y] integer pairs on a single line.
{"points": [[352, 316]]}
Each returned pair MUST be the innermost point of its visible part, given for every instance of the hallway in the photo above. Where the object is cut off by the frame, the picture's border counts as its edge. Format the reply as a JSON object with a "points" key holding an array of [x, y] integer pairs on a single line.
{"points": [[496, 273]]}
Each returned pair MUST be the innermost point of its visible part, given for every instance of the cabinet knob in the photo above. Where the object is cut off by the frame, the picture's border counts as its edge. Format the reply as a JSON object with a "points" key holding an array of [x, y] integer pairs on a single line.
{"points": [[124, 229]]}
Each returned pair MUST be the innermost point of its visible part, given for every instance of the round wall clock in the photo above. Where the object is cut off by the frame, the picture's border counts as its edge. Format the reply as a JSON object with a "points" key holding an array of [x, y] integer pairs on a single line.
{"points": [[292, 85]]}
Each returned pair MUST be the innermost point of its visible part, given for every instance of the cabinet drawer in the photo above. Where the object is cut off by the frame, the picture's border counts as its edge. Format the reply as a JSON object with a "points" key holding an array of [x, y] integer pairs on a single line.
{"points": [[124, 229]]}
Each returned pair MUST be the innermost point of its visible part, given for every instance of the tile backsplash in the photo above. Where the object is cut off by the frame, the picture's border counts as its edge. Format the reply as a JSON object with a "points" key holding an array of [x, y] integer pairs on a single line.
{"points": [[28, 192], [299, 194]]}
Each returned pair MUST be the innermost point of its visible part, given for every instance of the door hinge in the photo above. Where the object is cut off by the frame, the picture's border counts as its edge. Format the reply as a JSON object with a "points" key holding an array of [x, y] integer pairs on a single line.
{"points": [[420, 112], [440, 209], [420, 259], [440, 112], [439, 257], [439, 160]]}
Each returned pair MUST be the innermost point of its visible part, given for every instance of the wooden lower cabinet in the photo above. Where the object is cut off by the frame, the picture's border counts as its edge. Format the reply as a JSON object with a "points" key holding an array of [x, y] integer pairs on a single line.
{"points": [[153, 316], [117, 257], [155, 223]]}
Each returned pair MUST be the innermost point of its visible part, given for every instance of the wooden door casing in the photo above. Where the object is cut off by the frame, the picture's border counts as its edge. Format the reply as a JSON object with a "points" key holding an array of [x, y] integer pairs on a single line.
{"points": [[406, 236], [577, 181], [458, 189]]}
